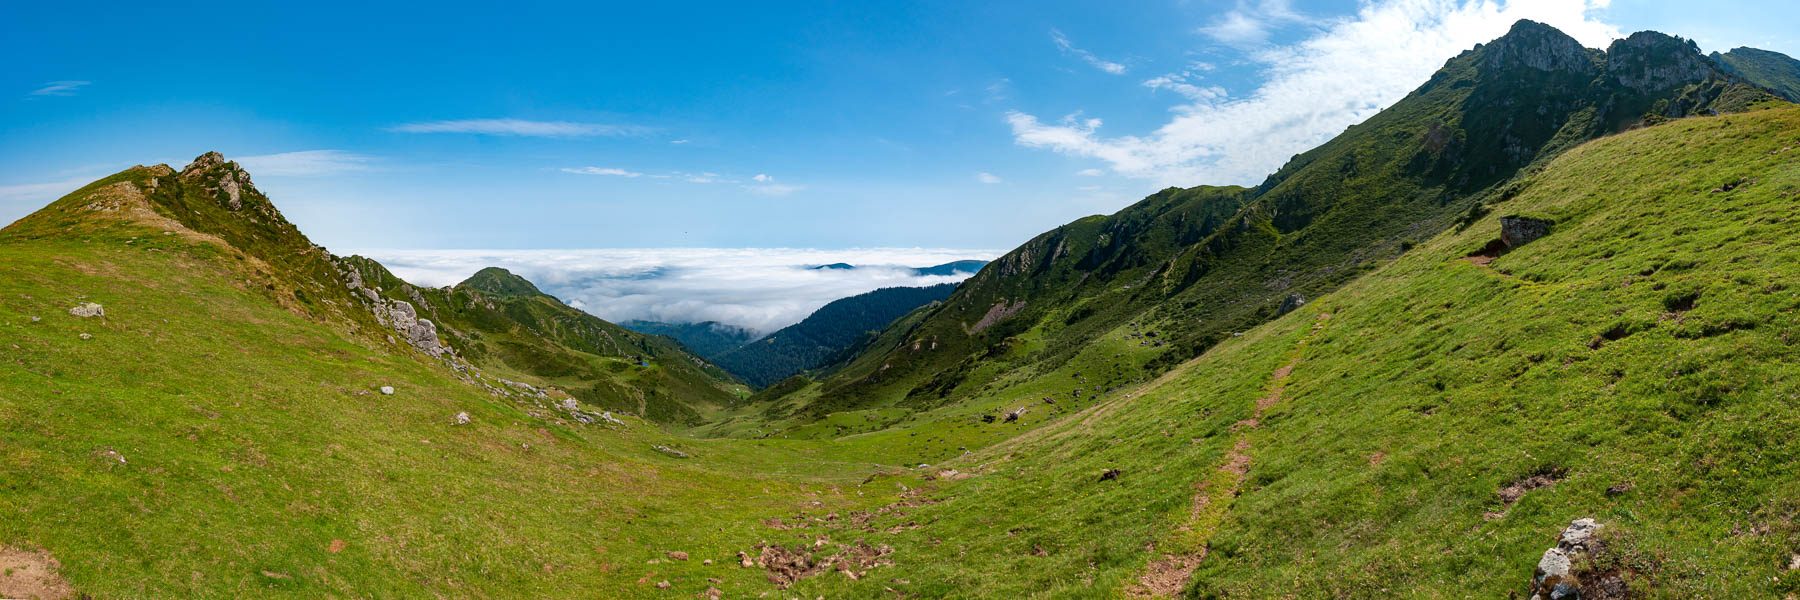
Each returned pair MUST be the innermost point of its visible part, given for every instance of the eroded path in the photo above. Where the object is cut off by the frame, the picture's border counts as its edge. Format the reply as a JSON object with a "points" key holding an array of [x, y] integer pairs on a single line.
{"points": [[1213, 495]]}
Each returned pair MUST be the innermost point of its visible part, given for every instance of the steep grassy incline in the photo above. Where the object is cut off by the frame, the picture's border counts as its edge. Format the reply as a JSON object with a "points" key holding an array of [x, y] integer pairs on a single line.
{"points": [[207, 437], [1427, 430], [1184, 269]]}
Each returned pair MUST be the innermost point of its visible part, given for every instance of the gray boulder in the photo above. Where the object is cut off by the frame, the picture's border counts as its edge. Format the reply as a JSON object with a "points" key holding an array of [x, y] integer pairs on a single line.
{"points": [[88, 309], [1291, 302], [1555, 578], [1518, 231]]}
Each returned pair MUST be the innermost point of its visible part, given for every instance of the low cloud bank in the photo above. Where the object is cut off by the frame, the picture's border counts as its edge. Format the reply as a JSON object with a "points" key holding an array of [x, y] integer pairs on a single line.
{"points": [[760, 289]]}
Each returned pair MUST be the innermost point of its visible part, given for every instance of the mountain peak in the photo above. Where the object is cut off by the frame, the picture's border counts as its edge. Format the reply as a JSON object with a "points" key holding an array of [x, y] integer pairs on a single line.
{"points": [[500, 282], [1538, 46], [1649, 61]]}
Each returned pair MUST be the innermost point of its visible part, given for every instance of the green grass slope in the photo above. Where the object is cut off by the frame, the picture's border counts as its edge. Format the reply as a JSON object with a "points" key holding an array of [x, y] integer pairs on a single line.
{"points": [[1185, 269], [1641, 357], [211, 437], [1777, 72]]}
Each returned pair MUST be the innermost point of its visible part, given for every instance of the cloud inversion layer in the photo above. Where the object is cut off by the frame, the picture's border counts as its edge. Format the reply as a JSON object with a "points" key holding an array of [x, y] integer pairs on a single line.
{"points": [[760, 289]]}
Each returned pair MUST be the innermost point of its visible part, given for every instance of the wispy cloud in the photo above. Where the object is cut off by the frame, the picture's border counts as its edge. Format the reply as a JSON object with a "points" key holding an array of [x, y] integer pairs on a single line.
{"points": [[987, 178], [1313, 89], [1186, 82], [1250, 25], [522, 128], [774, 189], [761, 289], [603, 171], [60, 88], [305, 163], [1062, 42], [1090, 172]]}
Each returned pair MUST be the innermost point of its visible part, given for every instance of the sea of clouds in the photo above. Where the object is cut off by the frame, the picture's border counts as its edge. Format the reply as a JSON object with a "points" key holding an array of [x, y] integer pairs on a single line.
{"points": [[760, 289]]}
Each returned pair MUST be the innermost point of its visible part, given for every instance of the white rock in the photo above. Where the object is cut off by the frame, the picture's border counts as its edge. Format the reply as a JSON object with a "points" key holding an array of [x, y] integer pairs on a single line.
{"points": [[88, 309], [86, 337], [462, 418], [387, 390]]}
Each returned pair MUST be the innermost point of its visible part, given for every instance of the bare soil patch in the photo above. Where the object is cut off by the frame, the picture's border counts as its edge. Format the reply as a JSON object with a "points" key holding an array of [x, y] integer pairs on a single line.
{"points": [[26, 574]]}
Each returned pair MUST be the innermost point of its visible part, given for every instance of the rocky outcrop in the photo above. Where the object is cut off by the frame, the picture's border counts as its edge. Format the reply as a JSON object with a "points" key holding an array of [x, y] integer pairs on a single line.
{"points": [[398, 315], [1649, 62], [230, 183], [1518, 231], [1538, 46], [1555, 577], [1291, 302], [87, 309]]}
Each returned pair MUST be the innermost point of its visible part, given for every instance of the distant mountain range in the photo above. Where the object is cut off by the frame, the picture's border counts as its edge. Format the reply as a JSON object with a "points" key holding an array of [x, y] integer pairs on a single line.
{"points": [[958, 267], [709, 339]]}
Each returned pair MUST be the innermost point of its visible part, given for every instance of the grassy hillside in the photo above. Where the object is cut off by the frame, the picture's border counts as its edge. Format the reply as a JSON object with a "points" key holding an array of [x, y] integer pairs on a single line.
{"points": [[1777, 72], [1185, 269], [1639, 358]]}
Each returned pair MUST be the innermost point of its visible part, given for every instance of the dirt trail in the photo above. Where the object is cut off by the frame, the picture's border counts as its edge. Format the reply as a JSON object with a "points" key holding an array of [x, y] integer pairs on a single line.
{"points": [[1167, 577]]}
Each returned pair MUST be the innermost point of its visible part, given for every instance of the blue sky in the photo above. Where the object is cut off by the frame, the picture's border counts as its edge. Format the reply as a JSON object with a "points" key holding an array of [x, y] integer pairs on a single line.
{"points": [[832, 125]]}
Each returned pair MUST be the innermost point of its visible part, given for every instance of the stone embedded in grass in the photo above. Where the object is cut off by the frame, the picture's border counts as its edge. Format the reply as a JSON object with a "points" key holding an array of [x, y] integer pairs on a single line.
{"points": [[86, 336], [1555, 577], [671, 451], [387, 390], [677, 555], [87, 309], [1291, 302], [462, 418], [1518, 231]]}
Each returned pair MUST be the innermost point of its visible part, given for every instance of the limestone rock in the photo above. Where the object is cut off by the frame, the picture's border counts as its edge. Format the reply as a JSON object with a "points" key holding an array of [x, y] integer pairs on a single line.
{"points": [[1291, 302], [387, 390], [462, 418], [1554, 578], [1518, 231], [88, 309]]}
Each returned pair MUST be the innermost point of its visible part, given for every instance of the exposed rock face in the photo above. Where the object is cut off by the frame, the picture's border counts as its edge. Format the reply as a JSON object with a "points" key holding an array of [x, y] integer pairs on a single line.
{"points": [[1538, 46], [1291, 302], [231, 183], [1518, 231], [1649, 61], [1000, 311], [88, 309], [1555, 578], [398, 315]]}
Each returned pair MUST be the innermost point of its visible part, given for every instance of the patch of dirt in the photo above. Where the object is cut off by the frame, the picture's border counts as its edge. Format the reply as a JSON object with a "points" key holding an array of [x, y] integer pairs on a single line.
{"points": [[788, 565], [1166, 577], [1519, 487], [1486, 254], [1000, 311], [31, 575]]}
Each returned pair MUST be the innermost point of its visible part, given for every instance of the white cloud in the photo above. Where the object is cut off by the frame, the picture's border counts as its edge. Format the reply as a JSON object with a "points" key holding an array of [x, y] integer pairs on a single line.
{"points": [[60, 88], [755, 288], [761, 178], [678, 141], [987, 178], [1312, 90], [1062, 42], [305, 163], [520, 127], [1090, 172], [1186, 83], [1250, 25], [603, 171], [774, 189]]}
